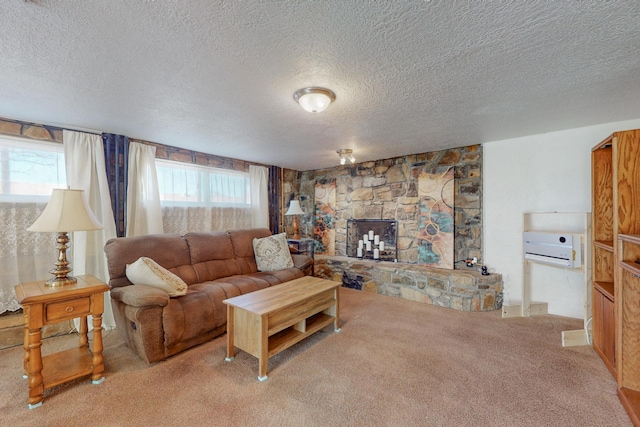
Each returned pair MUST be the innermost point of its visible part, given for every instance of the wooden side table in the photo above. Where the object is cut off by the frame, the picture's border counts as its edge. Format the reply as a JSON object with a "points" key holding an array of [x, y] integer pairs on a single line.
{"points": [[302, 246], [45, 305]]}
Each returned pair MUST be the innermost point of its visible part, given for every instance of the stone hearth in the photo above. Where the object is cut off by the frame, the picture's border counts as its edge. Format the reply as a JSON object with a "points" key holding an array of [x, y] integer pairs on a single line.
{"points": [[466, 290]]}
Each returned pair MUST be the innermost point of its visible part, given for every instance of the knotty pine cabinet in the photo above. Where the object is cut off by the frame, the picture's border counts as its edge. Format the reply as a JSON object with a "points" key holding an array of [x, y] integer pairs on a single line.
{"points": [[615, 165]]}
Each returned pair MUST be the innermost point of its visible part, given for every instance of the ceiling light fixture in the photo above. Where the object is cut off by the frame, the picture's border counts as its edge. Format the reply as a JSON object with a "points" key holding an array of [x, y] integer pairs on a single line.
{"points": [[346, 154], [314, 99]]}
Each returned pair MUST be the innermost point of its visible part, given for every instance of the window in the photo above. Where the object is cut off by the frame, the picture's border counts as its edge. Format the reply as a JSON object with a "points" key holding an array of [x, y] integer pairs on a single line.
{"points": [[30, 170], [183, 184]]}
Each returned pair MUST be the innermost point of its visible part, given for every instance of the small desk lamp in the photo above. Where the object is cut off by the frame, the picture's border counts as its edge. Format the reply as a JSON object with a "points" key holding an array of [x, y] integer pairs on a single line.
{"points": [[295, 210], [67, 210]]}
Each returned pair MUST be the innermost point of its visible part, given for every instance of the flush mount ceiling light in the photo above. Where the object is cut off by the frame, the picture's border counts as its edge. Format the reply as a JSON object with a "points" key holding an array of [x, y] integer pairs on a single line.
{"points": [[346, 154], [314, 99]]}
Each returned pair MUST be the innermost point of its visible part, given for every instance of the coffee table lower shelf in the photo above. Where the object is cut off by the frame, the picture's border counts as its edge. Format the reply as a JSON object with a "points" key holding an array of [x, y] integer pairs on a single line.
{"points": [[290, 336]]}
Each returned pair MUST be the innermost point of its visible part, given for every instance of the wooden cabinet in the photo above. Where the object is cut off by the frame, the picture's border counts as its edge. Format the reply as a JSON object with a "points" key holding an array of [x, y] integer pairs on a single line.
{"points": [[615, 164]]}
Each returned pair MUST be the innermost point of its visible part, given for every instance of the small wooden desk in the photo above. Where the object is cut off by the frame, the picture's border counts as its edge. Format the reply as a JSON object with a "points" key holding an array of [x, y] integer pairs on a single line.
{"points": [[44, 305], [266, 322]]}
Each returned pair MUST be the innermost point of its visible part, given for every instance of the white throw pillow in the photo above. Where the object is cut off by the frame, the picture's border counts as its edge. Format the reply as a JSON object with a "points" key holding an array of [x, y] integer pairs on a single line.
{"points": [[146, 271], [272, 253]]}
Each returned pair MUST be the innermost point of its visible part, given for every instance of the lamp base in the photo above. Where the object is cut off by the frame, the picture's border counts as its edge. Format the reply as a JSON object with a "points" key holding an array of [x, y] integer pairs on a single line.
{"points": [[296, 236], [62, 270], [61, 281]]}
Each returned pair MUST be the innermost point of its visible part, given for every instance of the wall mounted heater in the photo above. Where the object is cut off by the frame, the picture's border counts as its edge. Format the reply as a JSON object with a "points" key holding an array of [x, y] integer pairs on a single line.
{"points": [[563, 250]]}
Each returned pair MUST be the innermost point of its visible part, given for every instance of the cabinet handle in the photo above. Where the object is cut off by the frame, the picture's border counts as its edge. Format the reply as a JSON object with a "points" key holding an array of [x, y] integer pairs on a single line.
{"points": [[69, 309]]}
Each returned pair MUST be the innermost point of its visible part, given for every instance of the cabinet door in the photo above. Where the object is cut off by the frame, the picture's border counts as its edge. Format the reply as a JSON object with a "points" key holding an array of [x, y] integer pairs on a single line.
{"points": [[609, 331], [604, 329], [597, 321]]}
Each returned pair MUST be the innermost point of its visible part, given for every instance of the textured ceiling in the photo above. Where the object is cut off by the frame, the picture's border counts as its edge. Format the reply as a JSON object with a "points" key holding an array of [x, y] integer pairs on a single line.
{"points": [[409, 76]]}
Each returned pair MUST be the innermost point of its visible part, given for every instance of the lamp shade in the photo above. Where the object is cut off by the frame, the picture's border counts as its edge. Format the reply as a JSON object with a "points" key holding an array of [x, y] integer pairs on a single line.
{"points": [[67, 210], [294, 208]]}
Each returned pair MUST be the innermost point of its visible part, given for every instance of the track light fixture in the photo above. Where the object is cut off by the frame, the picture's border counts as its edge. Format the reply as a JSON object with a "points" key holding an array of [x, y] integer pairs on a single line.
{"points": [[346, 154]]}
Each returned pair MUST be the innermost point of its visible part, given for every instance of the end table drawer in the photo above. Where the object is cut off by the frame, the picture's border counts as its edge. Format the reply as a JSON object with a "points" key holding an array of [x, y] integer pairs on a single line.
{"points": [[68, 309]]}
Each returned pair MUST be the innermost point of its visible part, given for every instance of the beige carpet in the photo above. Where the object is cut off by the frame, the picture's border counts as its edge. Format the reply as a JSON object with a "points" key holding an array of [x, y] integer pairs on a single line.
{"points": [[395, 363]]}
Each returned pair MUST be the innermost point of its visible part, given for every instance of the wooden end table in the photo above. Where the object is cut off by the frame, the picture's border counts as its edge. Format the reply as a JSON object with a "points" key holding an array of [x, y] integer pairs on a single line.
{"points": [[265, 322], [44, 305]]}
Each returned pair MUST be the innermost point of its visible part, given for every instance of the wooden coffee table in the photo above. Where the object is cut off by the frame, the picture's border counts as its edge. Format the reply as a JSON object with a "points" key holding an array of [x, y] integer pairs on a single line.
{"points": [[268, 321]]}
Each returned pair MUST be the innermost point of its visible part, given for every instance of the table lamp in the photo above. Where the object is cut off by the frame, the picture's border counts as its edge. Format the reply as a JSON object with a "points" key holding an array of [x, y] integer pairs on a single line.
{"points": [[295, 210], [67, 210]]}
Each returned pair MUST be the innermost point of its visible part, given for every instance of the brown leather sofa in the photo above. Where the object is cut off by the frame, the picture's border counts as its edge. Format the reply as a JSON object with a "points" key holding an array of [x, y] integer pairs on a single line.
{"points": [[215, 266]]}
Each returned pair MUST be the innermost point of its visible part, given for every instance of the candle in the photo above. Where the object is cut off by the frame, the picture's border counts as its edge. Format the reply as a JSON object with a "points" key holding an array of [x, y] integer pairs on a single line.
{"points": [[360, 251], [381, 246], [370, 234], [365, 238], [360, 243], [376, 239], [368, 246], [376, 254]]}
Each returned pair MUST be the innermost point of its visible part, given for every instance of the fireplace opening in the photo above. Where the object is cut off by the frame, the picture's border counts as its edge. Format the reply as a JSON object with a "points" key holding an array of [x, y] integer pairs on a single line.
{"points": [[374, 239]]}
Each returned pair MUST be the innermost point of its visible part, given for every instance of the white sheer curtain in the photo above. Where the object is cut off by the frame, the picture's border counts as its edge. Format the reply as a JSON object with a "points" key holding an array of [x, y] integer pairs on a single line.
{"points": [[181, 220], [24, 256], [259, 178], [144, 215], [85, 166]]}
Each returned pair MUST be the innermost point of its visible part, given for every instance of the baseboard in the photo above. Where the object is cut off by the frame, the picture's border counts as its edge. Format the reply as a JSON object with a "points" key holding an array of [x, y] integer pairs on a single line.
{"points": [[538, 308], [574, 338], [535, 309], [511, 311]]}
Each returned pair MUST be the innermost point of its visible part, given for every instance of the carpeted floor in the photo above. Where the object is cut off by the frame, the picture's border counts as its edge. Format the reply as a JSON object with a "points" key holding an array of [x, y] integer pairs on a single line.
{"points": [[395, 363]]}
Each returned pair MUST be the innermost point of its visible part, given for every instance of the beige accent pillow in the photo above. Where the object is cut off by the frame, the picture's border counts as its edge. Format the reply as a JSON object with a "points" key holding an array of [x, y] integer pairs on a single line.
{"points": [[272, 253], [146, 271]]}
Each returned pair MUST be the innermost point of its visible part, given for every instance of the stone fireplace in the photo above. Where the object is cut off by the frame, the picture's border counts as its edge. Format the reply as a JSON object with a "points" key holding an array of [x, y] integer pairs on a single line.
{"points": [[388, 188], [381, 234]]}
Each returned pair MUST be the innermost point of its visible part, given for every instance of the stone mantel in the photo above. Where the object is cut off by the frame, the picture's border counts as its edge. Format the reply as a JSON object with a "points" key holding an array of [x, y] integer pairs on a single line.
{"points": [[466, 290]]}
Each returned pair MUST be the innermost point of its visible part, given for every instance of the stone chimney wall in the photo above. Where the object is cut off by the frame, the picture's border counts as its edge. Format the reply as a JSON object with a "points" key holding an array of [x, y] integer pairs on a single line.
{"points": [[388, 189]]}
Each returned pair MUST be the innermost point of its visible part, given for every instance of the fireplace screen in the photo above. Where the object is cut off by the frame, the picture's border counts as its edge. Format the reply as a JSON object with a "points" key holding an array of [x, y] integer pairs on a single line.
{"points": [[372, 239]]}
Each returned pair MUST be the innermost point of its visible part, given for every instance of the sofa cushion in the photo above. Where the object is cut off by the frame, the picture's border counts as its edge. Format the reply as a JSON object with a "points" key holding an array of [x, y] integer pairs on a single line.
{"points": [[243, 283], [279, 276], [272, 253], [168, 250], [212, 255], [242, 241], [146, 271]]}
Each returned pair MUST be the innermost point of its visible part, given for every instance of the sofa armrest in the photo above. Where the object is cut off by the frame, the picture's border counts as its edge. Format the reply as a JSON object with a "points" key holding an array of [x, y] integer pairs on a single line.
{"points": [[303, 262], [140, 296]]}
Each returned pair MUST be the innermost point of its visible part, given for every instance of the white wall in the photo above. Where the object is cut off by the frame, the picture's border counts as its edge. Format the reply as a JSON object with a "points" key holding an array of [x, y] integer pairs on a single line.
{"points": [[540, 173]]}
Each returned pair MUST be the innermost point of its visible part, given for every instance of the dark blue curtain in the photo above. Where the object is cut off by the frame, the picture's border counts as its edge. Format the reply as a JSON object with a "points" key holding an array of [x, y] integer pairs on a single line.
{"points": [[116, 153], [274, 199]]}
